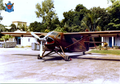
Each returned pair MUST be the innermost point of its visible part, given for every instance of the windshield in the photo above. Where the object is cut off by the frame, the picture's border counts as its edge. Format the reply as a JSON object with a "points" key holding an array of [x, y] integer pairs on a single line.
{"points": [[54, 33]]}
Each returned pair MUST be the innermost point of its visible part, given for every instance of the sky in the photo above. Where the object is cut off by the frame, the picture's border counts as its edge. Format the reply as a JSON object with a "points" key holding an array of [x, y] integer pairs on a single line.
{"points": [[24, 10]]}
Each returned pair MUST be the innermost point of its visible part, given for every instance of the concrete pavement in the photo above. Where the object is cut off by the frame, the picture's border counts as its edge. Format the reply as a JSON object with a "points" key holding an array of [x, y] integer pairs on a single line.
{"points": [[20, 65]]}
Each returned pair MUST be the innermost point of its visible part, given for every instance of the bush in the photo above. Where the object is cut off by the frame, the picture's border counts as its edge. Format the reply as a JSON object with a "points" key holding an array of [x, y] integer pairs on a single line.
{"points": [[59, 29], [116, 47], [47, 30], [100, 47], [105, 45]]}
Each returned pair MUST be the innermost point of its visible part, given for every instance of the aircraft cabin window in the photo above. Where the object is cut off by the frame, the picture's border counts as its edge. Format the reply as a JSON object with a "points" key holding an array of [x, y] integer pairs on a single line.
{"points": [[59, 37], [54, 33]]}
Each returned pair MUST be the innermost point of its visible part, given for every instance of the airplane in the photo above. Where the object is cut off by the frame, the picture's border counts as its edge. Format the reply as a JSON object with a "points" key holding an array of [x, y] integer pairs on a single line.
{"points": [[59, 42]]}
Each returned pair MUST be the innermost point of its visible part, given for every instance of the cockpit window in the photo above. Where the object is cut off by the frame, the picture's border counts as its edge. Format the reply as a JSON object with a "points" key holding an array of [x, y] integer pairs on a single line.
{"points": [[54, 33], [59, 37]]}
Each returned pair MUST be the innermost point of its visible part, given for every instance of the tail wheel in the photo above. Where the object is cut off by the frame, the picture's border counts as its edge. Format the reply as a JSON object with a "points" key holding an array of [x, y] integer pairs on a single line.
{"points": [[83, 53], [38, 57], [67, 58]]}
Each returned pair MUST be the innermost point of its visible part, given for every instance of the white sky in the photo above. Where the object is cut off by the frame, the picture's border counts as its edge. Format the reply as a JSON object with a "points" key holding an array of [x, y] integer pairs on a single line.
{"points": [[24, 10]]}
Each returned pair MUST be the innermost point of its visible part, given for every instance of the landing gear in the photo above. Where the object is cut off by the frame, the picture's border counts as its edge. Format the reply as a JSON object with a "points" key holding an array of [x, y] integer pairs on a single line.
{"points": [[83, 53], [38, 57], [67, 58], [62, 54]]}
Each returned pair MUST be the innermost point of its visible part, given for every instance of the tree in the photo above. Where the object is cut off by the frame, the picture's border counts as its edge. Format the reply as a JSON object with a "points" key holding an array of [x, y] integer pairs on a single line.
{"points": [[5, 37], [114, 12], [80, 8], [69, 17], [2, 28], [46, 12], [112, 1], [13, 28], [22, 26], [2, 7], [37, 27], [96, 19], [74, 17], [102, 17], [54, 23]]}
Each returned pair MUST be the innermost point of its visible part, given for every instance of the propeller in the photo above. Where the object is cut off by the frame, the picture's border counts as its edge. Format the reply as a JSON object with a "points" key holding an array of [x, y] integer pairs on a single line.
{"points": [[41, 49], [41, 39]]}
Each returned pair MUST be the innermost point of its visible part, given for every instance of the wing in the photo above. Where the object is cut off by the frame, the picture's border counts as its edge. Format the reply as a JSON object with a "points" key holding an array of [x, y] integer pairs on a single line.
{"points": [[22, 34], [79, 41], [96, 33]]}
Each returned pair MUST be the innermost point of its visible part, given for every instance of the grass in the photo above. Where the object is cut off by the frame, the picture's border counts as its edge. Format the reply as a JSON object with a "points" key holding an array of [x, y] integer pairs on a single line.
{"points": [[19, 46], [112, 52]]}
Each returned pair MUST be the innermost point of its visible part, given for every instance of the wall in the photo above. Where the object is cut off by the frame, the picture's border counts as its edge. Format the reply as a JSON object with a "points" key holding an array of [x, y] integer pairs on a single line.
{"points": [[27, 41], [117, 40], [106, 39]]}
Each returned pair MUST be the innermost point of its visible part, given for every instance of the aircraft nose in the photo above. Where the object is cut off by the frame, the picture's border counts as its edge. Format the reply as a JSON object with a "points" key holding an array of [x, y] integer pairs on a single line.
{"points": [[49, 41]]}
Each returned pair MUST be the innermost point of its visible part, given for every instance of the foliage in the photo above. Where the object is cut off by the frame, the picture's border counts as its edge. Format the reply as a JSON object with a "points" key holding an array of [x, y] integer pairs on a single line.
{"points": [[37, 27], [73, 18], [46, 31], [114, 11], [117, 47], [79, 19], [21, 26], [112, 1], [6, 37], [100, 47], [2, 7], [112, 52], [46, 12], [2, 28], [106, 45], [59, 29], [13, 28], [1, 35], [69, 17], [96, 19]]}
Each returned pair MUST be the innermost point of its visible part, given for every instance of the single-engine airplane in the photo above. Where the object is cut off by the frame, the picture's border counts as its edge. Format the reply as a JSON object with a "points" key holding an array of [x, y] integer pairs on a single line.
{"points": [[60, 43]]}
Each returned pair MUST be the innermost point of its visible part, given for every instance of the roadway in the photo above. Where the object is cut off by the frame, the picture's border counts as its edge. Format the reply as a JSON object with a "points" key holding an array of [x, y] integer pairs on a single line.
{"points": [[20, 65]]}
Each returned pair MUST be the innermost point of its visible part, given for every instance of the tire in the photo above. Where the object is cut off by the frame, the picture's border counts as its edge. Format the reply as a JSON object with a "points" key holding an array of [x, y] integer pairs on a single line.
{"points": [[83, 53], [67, 58], [38, 57]]}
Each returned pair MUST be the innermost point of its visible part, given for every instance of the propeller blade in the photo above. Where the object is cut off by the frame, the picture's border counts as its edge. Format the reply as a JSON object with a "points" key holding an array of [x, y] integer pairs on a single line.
{"points": [[36, 36], [41, 49]]}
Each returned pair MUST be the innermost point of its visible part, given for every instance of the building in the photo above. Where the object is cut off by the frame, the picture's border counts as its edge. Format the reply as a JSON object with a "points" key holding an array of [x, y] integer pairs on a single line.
{"points": [[19, 22], [112, 41], [24, 41]]}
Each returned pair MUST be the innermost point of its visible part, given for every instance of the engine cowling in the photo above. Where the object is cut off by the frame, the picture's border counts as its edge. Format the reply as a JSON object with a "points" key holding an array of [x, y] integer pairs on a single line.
{"points": [[49, 41]]}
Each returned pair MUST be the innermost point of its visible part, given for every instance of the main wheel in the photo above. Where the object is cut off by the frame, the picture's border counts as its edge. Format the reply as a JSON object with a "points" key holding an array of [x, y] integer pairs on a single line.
{"points": [[67, 58], [83, 53], [38, 57]]}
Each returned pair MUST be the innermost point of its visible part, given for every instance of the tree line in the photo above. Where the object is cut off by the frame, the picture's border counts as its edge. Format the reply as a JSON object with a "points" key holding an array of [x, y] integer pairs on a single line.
{"points": [[77, 20]]}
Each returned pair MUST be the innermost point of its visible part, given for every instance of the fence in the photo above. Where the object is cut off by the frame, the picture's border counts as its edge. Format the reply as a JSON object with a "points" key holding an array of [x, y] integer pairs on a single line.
{"points": [[7, 44]]}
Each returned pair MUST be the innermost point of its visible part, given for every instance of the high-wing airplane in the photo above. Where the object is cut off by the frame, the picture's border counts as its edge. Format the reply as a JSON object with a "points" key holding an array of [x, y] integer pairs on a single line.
{"points": [[60, 43]]}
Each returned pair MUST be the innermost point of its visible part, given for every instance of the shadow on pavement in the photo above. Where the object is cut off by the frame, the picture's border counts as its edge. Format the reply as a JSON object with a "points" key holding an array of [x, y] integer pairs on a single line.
{"points": [[53, 58], [101, 59]]}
